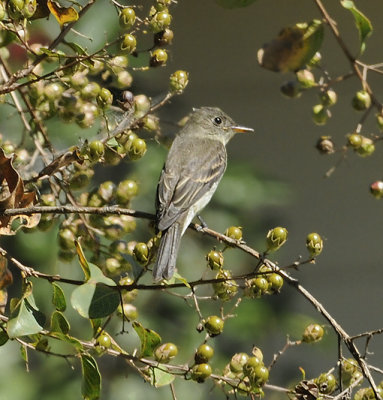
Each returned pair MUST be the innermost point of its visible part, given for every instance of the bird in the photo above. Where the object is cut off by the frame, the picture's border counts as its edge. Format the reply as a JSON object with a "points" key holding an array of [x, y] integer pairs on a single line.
{"points": [[194, 166]]}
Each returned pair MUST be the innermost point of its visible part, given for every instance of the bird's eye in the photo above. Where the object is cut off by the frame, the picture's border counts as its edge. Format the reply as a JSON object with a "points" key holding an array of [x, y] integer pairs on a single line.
{"points": [[218, 120]]}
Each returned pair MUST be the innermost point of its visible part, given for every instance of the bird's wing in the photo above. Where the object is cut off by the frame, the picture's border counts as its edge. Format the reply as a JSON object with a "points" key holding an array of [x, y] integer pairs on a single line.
{"points": [[182, 187]]}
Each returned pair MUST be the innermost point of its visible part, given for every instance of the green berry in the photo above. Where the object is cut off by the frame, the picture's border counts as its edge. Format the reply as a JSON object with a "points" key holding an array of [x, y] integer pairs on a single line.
{"points": [[200, 372], [256, 287], [379, 121], [137, 149], [366, 148], [237, 362], [141, 105], [326, 383], [129, 43], [275, 283], [126, 190], [203, 354], [104, 98], [106, 191], [123, 80], [313, 333], [361, 101], [160, 21], [314, 244], [141, 252], [178, 81], [328, 98], [255, 370], [158, 57], [215, 259], [165, 352], [127, 18], [130, 311], [66, 239], [96, 150], [276, 238], [320, 114], [53, 91], [90, 91], [349, 367], [376, 189], [225, 290], [104, 340], [355, 140], [214, 325], [305, 78], [119, 63], [234, 232]]}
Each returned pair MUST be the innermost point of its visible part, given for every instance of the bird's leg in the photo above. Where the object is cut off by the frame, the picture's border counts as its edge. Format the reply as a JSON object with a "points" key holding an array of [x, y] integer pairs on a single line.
{"points": [[203, 223]]}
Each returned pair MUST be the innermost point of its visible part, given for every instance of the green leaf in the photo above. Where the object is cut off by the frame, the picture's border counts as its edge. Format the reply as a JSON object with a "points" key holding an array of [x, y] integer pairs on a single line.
{"points": [[27, 319], [361, 21], [68, 339], [3, 337], [91, 378], [160, 377], [95, 300], [149, 339], [180, 278], [58, 298], [234, 3], [59, 323]]}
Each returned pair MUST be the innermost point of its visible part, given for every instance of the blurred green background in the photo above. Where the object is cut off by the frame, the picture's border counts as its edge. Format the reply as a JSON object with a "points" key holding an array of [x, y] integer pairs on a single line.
{"points": [[275, 177]]}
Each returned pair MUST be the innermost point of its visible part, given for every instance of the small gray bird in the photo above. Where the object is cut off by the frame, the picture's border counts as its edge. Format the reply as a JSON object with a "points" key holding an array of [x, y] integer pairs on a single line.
{"points": [[195, 164]]}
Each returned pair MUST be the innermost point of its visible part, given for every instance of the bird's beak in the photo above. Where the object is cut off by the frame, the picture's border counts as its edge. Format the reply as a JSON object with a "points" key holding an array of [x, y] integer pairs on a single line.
{"points": [[242, 129]]}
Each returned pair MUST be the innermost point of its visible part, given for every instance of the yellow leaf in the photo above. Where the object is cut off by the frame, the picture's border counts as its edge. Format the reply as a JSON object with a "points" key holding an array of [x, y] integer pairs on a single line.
{"points": [[62, 14], [294, 47]]}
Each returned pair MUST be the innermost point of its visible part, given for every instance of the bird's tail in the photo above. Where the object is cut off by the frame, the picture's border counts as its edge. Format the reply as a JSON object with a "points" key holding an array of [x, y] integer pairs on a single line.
{"points": [[167, 253]]}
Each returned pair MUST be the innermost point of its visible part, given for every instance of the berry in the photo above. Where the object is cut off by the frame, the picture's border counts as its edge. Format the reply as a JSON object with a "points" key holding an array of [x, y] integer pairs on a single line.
{"points": [[355, 140], [66, 239], [256, 287], [200, 372], [326, 383], [165, 352], [234, 232], [141, 252], [96, 150], [376, 189], [104, 98], [129, 43], [305, 78], [214, 325], [225, 290], [366, 148], [320, 114], [137, 149], [178, 81], [361, 101], [203, 354], [325, 145], [276, 238], [238, 361], [158, 57], [163, 38], [126, 190], [313, 333], [275, 283], [328, 98], [141, 105], [291, 89], [215, 259], [314, 244], [127, 18], [104, 340], [160, 21]]}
